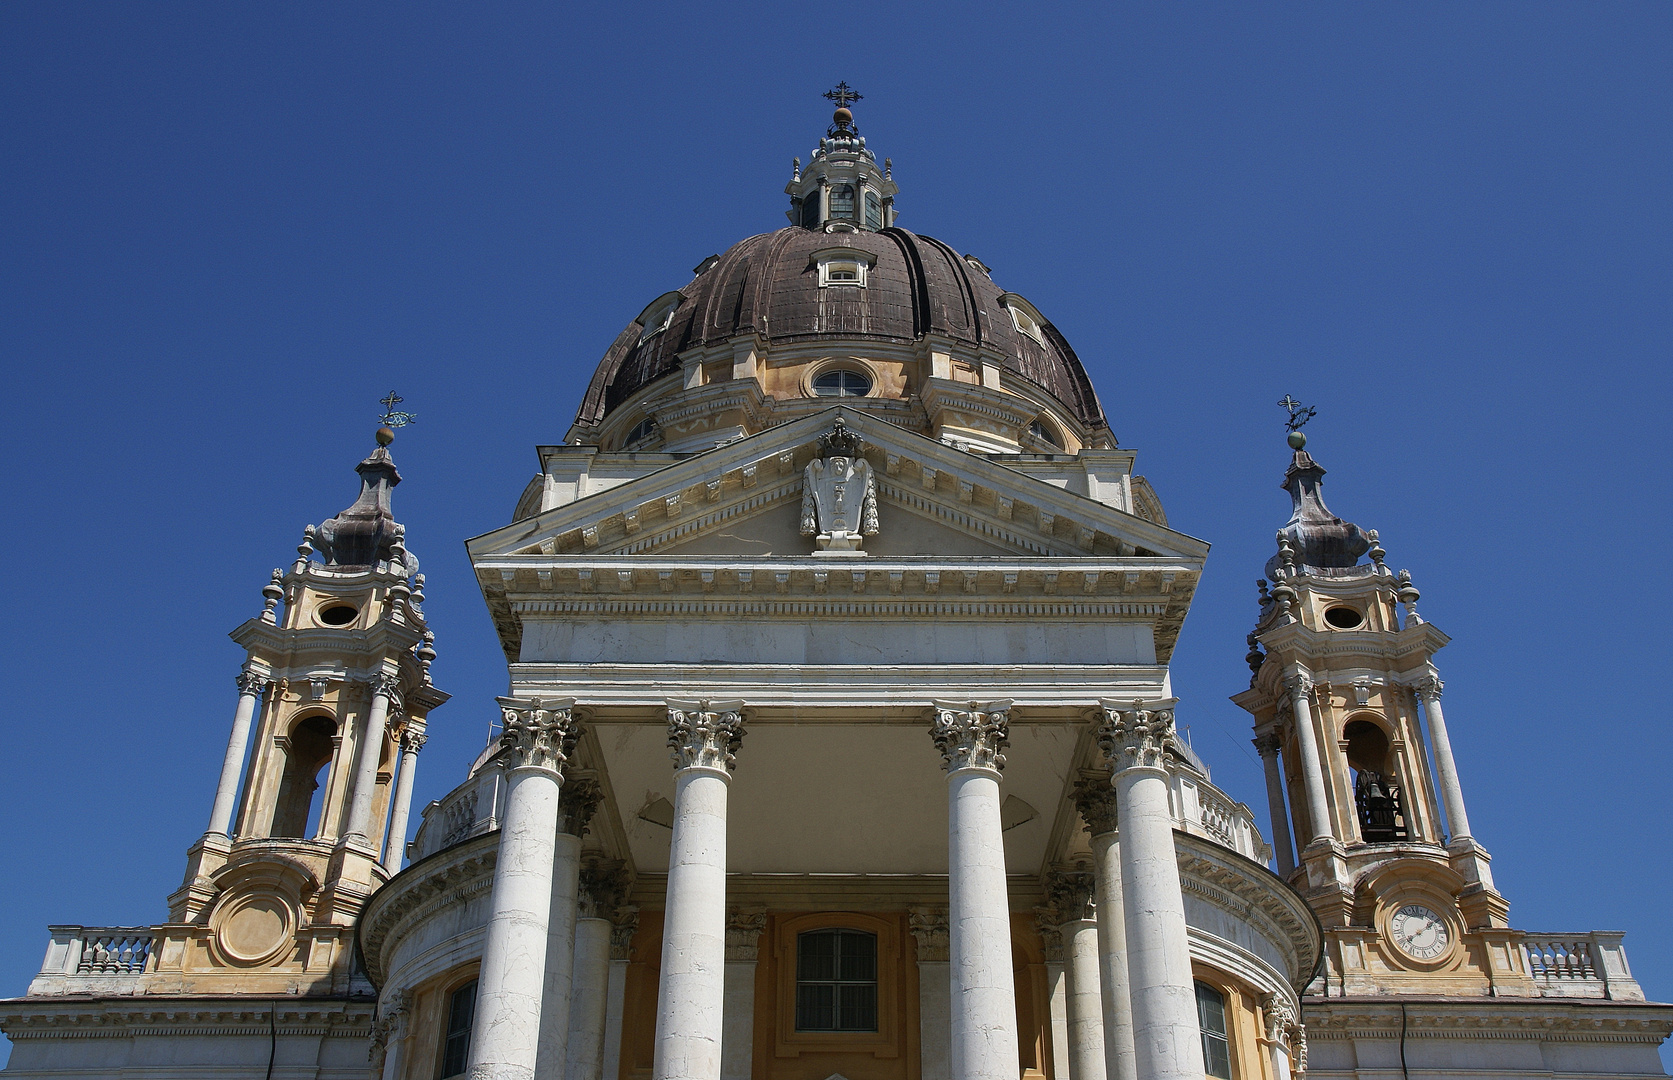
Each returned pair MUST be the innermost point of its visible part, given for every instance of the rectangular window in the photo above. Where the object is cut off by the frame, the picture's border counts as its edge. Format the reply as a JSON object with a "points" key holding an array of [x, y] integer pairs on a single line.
{"points": [[836, 981], [842, 201], [874, 211], [1211, 1018], [456, 1042]]}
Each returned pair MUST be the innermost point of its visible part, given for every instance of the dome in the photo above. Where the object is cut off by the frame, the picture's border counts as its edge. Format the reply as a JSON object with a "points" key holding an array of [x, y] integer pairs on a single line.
{"points": [[772, 287]]}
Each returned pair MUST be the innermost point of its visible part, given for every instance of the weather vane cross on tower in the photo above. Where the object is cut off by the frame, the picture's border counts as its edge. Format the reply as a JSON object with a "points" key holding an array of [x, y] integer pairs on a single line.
{"points": [[1299, 413], [842, 95], [391, 418]]}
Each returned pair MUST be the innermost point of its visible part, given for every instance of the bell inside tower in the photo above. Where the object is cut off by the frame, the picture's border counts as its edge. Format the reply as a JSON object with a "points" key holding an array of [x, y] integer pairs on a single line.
{"points": [[1382, 819]]}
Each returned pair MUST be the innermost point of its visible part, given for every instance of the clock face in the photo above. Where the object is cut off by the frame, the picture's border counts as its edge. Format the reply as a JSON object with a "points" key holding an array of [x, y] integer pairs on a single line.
{"points": [[1418, 932]]}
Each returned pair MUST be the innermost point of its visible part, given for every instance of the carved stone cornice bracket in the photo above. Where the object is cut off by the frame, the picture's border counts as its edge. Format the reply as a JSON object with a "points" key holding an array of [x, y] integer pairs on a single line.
{"points": [[1096, 800], [928, 926], [1135, 737], [705, 734], [972, 734], [538, 734]]}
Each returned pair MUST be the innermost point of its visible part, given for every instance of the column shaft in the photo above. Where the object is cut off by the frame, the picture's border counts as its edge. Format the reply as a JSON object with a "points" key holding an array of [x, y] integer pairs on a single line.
{"points": [[590, 1005], [1119, 1060], [395, 844], [1087, 1060], [505, 1032], [359, 825], [1312, 767], [250, 687], [690, 1006], [1281, 846], [1057, 1007], [560, 957], [1446, 770]]}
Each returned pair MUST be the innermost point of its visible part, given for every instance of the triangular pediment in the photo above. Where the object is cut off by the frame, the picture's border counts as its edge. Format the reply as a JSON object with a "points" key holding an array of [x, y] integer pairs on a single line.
{"points": [[744, 498]]}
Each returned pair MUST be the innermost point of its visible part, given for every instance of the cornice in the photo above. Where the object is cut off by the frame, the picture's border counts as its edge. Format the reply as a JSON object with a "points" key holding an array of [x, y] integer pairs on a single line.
{"points": [[1502, 1018], [451, 877], [1246, 890], [129, 1017]]}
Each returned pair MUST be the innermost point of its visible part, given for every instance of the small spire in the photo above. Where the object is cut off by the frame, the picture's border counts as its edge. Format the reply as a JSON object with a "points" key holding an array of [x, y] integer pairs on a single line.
{"points": [[1318, 539]]}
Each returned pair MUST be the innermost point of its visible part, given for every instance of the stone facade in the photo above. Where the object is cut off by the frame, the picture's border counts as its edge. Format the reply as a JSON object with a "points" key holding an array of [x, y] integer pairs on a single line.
{"points": [[839, 745]]}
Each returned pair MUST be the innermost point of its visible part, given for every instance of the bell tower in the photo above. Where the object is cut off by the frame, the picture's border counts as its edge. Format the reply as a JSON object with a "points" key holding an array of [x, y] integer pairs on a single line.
{"points": [[333, 698], [1344, 691]]}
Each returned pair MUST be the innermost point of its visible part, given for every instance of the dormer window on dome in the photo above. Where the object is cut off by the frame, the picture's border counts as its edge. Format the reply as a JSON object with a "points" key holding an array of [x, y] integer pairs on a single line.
{"points": [[843, 267], [1024, 317], [658, 315]]}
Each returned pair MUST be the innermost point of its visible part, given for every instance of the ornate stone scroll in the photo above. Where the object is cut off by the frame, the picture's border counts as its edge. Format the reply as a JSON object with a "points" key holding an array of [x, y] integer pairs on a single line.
{"points": [[538, 734], [705, 733], [972, 734], [839, 492], [1134, 736]]}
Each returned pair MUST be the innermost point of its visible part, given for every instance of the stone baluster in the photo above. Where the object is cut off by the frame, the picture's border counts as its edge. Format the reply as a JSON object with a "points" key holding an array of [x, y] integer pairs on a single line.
{"points": [[744, 927], [576, 806], [505, 1032], [1095, 799], [1267, 745], [603, 886], [1069, 898], [621, 953], [395, 845], [252, 683], [386, 695], [929, 931], [1299, 684], [983, 1026], [690, 1006], [1167, 1040]]}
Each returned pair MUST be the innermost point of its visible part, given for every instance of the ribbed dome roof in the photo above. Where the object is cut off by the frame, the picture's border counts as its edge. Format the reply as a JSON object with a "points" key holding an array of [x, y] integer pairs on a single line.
{"points": [[769, 284]]}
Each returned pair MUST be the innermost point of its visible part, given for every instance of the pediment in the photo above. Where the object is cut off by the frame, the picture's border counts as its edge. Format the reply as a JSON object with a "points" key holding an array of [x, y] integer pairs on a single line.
{"points": [[743, 498]]}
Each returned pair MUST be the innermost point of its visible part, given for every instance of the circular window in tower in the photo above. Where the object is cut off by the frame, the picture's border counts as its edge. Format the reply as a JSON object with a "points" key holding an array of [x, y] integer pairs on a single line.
{"points": [[841, 382], [338, 614], [1344, 618]]}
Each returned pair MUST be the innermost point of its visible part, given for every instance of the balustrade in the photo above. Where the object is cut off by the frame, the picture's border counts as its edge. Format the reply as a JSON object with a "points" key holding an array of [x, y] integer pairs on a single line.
{"points": [[1580, 965], [115, 951]]}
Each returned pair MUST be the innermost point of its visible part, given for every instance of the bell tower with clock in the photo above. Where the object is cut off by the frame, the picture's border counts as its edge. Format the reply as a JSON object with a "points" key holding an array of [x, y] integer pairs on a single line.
{"points": [[1368, 815]]}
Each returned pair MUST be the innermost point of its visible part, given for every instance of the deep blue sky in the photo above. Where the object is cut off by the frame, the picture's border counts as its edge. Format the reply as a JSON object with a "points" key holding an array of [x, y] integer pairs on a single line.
{"points": [[230, 229]]}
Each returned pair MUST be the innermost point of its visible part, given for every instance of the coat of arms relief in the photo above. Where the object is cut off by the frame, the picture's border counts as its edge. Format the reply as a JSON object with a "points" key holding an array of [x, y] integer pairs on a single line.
{"points": [[839, 493]]}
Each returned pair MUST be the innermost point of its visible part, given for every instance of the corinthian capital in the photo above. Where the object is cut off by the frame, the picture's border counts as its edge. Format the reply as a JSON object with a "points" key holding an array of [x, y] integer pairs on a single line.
{"points": [[387, 686], [1069, 895], [928, 926], [253, 683], [1430, 686], [744, 927], [1133, 736], [577, 802], [622, 929], [538, 734], [1299, 684], [413, 740], [705, 733], [972, 734], [1267, 745], [603, 888], [1095, 799]]}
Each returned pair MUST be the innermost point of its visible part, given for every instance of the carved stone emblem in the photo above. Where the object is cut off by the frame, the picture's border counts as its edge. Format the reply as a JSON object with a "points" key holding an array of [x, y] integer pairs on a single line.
{"points": [[839, 493]]}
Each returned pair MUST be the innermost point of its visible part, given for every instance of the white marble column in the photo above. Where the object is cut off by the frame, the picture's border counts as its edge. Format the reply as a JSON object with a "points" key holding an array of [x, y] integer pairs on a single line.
{"points": [[1167, 1041], [1299, 684], [929, 930], [690, 1000], [1446, 770], [744, 928], [603, 884], [385, 693], [983, 1038], [395, 844], [1267, 744], [389, 1034], [615, 1009], [575, 808], [505, 1032], [1096, 801], [1057, 999], [252, 683], [1069, 896]]}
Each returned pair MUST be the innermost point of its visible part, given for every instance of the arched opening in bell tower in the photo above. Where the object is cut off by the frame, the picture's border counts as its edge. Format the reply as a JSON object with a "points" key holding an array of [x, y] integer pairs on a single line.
{"points": [[308, 752], [1377, 794]]}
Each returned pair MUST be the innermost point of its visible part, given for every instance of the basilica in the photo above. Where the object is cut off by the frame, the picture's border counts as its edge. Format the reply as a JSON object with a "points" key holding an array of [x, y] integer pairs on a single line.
{"points": [[839, 745]]}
